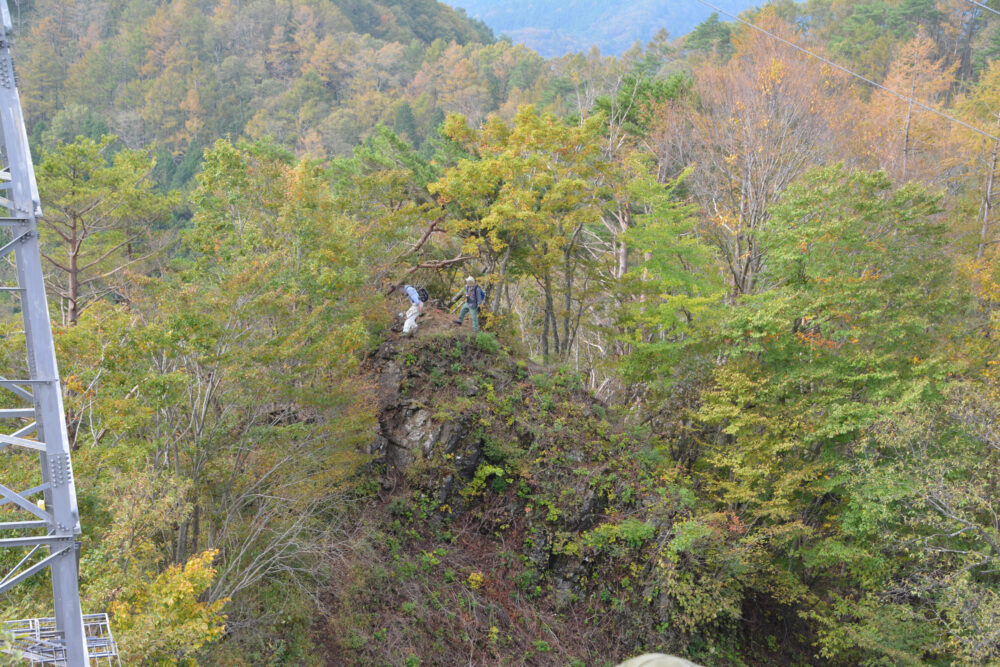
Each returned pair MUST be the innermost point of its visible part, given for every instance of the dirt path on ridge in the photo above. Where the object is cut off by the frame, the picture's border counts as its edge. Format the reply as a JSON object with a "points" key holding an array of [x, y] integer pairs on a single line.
{"points": [[435, 319]]}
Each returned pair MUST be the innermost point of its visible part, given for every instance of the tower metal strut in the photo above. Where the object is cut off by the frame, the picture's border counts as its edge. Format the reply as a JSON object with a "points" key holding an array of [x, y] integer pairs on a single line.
{"points": [[42, 535]]}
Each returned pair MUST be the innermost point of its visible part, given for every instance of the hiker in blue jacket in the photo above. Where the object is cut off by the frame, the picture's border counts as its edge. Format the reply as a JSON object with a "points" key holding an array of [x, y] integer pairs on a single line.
{"points": [[414, 295], [474, 297]]}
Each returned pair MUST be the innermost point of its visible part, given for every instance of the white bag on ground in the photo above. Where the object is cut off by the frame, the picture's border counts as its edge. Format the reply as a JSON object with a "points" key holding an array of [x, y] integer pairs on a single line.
{"points": [[657, 660], [410, 325]]}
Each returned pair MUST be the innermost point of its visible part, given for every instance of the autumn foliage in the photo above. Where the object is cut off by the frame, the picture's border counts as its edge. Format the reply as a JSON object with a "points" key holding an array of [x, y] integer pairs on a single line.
{"points": [[737, 393]]}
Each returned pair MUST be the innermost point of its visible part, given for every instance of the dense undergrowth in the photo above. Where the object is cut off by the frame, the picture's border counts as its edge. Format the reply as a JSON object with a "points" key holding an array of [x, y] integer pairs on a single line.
{"points": [[530, 525], [739, 395]]}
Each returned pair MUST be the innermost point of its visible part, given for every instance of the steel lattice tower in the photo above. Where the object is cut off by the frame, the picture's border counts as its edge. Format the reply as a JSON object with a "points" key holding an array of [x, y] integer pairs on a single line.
{"points": [[47, 535]]}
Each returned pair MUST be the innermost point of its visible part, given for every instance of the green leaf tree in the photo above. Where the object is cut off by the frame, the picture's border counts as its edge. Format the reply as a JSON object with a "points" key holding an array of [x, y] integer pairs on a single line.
{"points": [[856, 325], [524, 206], [101, 218]]}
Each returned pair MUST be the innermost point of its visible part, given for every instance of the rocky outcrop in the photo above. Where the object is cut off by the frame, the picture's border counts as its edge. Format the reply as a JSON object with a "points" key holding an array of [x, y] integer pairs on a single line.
{"points": [[519, 479], [411, 424], [448, 405]]}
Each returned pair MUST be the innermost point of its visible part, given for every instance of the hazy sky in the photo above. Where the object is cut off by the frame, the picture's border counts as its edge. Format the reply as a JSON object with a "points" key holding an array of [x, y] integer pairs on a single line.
{"points": [[555, 27]]}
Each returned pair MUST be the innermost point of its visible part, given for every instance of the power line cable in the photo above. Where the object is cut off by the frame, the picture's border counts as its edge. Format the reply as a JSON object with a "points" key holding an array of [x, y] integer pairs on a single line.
{"points": [[851, 73], [979, 4]]}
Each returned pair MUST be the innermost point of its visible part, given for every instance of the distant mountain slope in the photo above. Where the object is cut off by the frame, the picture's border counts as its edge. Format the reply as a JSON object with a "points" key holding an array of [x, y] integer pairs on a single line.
{"points": [[398, 20], [556, 27], [313, 75]]}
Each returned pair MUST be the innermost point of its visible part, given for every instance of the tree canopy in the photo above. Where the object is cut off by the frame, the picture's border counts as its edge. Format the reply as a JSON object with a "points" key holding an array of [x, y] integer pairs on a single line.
{"points": [[736, 391]]}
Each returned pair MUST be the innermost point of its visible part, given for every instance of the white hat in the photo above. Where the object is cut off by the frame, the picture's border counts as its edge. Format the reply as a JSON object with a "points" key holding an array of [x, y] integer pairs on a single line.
{"points": [[470, 279]]}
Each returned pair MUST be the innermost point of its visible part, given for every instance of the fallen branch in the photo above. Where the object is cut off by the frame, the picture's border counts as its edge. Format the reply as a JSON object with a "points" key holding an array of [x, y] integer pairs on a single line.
{"points": [[423, 239], [439, 264]]}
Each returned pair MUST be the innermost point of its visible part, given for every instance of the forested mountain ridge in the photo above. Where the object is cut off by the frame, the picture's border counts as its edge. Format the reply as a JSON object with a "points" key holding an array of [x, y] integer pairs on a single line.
{"points": [[312, 75], [736, 393], [556, 28]]}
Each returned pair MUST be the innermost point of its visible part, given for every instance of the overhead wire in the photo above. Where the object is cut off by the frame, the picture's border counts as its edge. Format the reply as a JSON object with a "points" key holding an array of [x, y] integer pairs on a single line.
{"points": [[979, 4], [829, 62]]}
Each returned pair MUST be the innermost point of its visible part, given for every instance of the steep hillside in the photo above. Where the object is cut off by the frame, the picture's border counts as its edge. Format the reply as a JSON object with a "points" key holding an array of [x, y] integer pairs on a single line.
{"points": [[556, 28], [313, 76], [738, 397], [403, 20], [519, 521]]}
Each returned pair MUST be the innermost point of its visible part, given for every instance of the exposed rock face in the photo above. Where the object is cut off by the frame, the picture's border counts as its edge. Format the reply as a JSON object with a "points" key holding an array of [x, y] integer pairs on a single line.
{"points": [[446, 407], [526, 482], [408, 428]]}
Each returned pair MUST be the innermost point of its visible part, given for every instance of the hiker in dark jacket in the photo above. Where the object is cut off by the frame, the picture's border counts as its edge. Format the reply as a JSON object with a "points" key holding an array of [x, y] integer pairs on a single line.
{"points": [[474, 297]]}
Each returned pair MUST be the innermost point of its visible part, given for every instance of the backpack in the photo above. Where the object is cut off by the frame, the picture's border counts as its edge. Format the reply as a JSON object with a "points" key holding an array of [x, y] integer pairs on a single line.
{"points": [[481, 295], [423, 294]]}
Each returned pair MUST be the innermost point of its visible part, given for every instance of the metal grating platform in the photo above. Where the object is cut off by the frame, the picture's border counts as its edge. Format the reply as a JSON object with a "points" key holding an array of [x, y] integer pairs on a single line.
{"points": [[39, 642]]}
